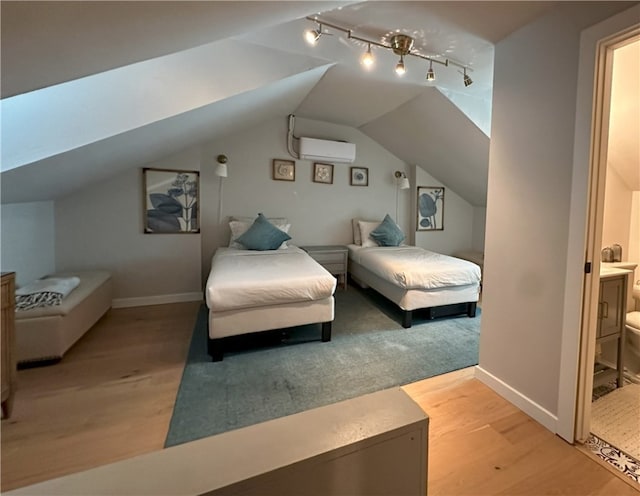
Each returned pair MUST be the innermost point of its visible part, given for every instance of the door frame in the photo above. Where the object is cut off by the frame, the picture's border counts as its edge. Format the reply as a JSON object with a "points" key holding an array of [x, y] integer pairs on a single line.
{"points": [[585, 228]]}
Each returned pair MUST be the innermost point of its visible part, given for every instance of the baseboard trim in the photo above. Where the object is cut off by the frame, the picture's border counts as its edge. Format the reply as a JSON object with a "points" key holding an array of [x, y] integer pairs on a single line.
{"points": [[155, 300], [531, 408]]}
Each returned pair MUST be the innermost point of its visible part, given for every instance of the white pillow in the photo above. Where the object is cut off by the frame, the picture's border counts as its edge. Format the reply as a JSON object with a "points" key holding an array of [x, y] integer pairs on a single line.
{"points": [[357, 239], [365, 231], [239, 225]]}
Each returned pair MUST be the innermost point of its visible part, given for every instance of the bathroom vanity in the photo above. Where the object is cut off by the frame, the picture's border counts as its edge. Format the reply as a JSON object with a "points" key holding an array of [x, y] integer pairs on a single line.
{"points": [[612, 309]]}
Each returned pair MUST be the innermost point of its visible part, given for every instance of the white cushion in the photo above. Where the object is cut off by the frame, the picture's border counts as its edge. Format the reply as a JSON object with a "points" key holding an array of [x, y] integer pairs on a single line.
{"points": [[365, 231]]}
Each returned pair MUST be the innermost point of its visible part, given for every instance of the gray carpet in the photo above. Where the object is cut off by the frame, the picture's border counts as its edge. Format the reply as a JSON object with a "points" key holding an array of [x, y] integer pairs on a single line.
{"points": [[273, 374]]}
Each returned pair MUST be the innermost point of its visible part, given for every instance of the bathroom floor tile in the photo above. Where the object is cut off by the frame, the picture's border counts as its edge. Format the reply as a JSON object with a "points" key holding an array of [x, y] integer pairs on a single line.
{"points": [[615, 457]]}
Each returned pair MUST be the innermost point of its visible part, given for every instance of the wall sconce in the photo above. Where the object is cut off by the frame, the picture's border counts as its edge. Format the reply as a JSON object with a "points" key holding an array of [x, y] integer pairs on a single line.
{"points": [[402, 182], [221, 170]]}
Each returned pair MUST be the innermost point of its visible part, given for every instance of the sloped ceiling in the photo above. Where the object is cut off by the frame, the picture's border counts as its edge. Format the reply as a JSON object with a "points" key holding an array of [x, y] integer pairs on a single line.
{"points": [[90, 88], [56, 176], [451, 148]]}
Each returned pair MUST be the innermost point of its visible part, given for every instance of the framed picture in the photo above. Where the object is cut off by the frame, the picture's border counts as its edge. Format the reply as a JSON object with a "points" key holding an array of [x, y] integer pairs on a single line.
{"points": [[359, 176], [430, 208], [284, 170], [323, 173], [171, 201]]}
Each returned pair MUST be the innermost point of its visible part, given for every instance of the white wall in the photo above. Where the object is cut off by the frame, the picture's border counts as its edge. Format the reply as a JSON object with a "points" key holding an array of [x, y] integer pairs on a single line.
{"points": [[458, 220], [479, 227], [617, 212], [28, 240], [319, 213], [530, 172], [102, 227], [634, 232]]}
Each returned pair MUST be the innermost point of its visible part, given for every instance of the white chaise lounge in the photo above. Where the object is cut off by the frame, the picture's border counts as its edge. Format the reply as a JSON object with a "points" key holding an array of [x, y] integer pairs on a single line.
{"points": [[44, 334]]}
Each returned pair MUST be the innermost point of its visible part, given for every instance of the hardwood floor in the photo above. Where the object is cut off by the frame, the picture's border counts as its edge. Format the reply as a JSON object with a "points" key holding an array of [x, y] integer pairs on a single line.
{"points": [[112, 397]]}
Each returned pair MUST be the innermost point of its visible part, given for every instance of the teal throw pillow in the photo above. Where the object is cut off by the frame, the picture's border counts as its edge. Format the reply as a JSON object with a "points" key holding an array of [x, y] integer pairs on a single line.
{"points": [[388, 233], [263, 235]]}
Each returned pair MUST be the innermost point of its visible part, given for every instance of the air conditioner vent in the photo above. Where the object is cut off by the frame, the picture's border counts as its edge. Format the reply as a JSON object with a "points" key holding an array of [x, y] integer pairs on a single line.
{"points": [[327, 150]]}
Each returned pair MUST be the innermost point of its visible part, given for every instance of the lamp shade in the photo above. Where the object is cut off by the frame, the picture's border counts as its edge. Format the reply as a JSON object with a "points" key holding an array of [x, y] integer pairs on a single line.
{"points": [[404, 183], [221, 170]]}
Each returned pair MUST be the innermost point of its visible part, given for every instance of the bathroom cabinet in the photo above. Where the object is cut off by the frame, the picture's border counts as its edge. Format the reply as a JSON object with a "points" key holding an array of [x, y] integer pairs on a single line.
{"points": [[612, 303]]}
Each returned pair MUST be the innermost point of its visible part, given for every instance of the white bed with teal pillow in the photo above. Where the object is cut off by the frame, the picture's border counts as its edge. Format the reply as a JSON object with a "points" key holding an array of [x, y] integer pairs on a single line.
{"points": [[268, 287], [410, 276]]}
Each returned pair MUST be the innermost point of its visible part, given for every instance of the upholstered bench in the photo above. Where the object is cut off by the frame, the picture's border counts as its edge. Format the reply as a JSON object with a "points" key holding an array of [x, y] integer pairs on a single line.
{"points": [[44, 334]]}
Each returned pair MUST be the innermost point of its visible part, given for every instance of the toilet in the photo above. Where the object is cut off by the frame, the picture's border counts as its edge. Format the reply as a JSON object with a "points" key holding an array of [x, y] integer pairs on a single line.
{"points": [[632, 340]]}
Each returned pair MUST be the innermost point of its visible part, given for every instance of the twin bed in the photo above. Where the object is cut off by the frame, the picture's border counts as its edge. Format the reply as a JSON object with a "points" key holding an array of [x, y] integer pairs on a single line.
{"points": [[415, 278], [252, 291]]}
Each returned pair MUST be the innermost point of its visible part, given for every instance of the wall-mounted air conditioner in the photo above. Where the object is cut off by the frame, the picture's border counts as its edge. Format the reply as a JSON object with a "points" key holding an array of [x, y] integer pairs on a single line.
{"points": [[327, 150]]}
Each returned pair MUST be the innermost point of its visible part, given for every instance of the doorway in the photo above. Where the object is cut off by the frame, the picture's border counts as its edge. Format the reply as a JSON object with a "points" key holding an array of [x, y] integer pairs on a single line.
{"points": [[602, 168]]}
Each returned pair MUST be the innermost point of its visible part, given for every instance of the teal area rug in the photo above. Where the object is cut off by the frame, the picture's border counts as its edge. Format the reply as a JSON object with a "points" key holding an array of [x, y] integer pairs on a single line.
{"points": [[278, 373]]}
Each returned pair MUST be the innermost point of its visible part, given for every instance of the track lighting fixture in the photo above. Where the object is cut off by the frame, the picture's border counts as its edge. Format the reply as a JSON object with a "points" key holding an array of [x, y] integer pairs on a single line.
{"points": [[466, 79], [431, 76], [367, 59], [400, 44]]}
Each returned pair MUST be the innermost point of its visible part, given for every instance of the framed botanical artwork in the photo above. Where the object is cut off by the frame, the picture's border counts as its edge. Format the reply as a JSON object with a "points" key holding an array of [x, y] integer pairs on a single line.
{"points": [[284, 170], [430, 208], [359, 176], [171, 201], [323, 173]]}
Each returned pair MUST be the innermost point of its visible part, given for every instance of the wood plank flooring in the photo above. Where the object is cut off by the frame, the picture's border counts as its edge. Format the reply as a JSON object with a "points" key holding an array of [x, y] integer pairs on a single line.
{"points": [[112, 397]]}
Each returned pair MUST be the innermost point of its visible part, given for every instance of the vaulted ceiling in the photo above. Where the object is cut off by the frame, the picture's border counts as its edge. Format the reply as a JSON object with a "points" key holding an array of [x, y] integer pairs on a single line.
{"points": [[91, 88]]}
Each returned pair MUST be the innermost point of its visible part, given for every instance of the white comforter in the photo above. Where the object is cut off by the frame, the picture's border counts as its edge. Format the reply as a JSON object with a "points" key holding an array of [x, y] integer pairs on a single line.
{"points": [[247, 278], [412, 267]]}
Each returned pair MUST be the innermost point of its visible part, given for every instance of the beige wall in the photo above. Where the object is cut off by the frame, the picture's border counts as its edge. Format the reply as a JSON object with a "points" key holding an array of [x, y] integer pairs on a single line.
{"points": [[101, 226], [527, 256], [319, 213], [617, 212], [28, 240]]}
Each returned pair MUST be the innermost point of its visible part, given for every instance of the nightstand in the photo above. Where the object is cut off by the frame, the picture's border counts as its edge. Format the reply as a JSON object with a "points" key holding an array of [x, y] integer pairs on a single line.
{"points": [[333, 258]]}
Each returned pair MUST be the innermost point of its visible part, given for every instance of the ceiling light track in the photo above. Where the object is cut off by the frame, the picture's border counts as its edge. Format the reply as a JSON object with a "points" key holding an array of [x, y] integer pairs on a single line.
{"points": [[400, 44]]}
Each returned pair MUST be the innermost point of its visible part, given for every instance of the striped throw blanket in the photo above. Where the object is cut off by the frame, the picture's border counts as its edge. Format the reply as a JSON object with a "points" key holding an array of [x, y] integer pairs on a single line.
{"points": [[45, 292]]}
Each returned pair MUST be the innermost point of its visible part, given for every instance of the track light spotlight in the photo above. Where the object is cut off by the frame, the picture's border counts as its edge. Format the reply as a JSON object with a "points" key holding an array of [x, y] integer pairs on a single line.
{"points": [[367, 59], [466, 79], [400, 69], [313, 35], [431, 76]]}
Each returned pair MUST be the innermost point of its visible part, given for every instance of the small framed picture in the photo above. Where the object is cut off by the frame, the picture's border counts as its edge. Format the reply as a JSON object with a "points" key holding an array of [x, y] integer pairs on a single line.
{"points": [[323, 173], [359, 176], [284, 170]]}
